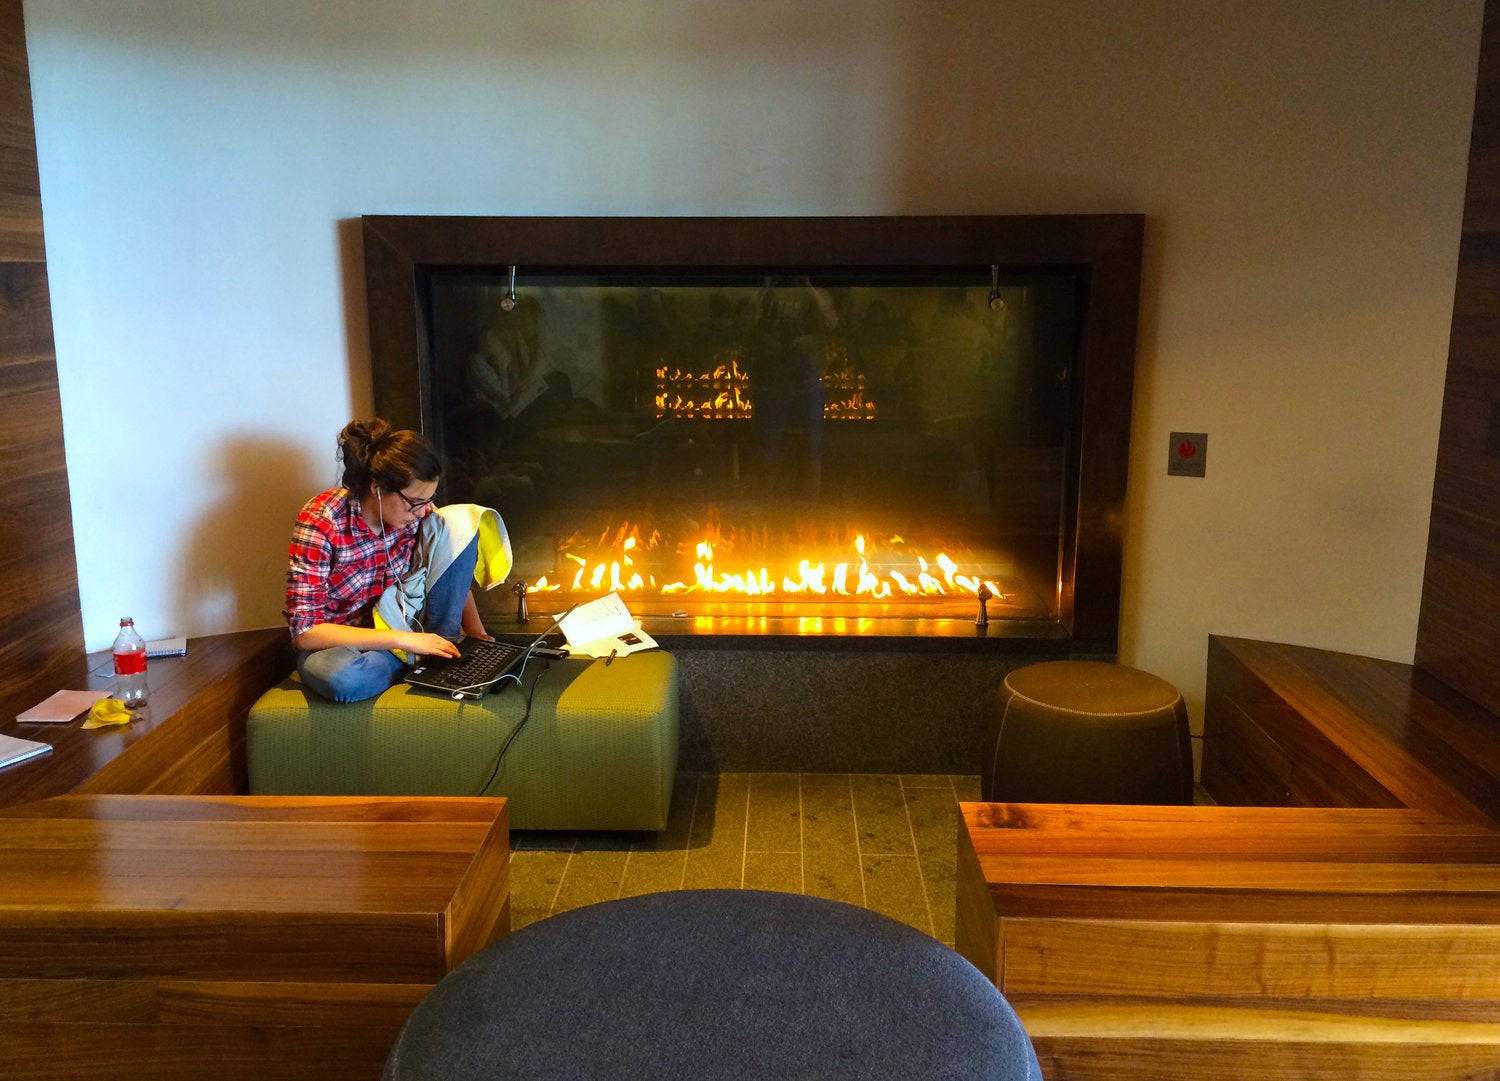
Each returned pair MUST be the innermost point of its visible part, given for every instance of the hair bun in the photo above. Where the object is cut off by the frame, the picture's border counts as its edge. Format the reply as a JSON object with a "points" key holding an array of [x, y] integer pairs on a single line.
{"points": [[374, 451]]}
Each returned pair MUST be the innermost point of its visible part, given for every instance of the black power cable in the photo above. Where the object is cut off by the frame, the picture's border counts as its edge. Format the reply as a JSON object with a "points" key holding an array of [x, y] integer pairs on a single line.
{"points": [[516, 731]]}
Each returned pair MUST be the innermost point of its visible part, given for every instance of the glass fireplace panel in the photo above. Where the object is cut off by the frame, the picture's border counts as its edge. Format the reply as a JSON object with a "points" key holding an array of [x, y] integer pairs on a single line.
{"points": [[808, 442]]}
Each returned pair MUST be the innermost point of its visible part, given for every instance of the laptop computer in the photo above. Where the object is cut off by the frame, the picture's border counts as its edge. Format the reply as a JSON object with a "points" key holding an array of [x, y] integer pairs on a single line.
{"points": [[480, 667]]}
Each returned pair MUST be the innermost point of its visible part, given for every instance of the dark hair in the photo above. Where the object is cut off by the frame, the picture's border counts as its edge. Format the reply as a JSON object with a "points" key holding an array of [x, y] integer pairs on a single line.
{"points": [[375, 454]]}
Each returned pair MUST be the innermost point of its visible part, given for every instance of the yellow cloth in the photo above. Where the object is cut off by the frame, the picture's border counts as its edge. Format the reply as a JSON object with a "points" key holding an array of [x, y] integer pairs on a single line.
{"points": [[108, 711], [443, 535], [495, 560]]}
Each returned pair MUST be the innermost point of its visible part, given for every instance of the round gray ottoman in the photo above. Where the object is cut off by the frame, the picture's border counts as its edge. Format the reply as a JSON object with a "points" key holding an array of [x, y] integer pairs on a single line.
{"points": [[710, 984]]}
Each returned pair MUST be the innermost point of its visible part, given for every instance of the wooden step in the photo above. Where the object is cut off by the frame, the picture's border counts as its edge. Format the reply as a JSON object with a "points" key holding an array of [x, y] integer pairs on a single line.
{"points": [[1198, 943], [1087, 1040]]}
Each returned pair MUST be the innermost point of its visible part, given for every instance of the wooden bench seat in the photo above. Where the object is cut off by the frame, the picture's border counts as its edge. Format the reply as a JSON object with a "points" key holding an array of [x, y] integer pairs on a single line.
{"points": [[1194, 943], [1337, 916], [191, 741], [235, 938], [1299, 727]]}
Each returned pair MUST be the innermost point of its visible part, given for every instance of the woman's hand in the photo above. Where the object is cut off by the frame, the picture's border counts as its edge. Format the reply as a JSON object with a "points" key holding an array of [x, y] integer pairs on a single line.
{"points": [[428, 645]]}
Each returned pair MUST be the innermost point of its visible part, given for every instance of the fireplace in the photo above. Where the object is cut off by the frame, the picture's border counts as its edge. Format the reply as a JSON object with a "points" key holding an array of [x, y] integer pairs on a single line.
{"points": [[907, 430]]}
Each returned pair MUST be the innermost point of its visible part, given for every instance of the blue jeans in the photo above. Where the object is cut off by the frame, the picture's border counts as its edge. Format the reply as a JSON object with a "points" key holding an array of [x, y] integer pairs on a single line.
{"points": [[346, 674]]}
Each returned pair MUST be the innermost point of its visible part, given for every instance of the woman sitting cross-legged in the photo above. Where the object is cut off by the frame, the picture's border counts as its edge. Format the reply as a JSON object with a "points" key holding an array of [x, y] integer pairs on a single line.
{"points": [[352, 544]]}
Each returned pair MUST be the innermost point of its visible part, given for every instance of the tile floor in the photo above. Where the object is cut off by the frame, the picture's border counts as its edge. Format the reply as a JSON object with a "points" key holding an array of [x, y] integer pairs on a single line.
{"points": [[884, 841]]}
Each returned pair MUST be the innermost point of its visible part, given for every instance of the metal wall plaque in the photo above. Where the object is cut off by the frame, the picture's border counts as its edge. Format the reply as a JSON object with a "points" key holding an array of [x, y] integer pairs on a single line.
{"points": [[1187, 454]]}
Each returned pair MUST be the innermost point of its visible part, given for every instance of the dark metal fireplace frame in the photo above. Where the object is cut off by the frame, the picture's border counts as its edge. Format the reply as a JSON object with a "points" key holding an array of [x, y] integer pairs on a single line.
{"points": [[401, 252]]}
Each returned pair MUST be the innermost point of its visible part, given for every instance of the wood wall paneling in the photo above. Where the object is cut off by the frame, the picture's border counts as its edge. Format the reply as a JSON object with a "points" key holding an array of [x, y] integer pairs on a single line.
{"points": [[41, 628], [1458, 632], [20, 189]]}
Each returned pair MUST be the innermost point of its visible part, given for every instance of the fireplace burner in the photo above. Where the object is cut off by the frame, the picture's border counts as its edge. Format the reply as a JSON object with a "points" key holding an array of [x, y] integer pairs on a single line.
{"points": [[786, 426]]}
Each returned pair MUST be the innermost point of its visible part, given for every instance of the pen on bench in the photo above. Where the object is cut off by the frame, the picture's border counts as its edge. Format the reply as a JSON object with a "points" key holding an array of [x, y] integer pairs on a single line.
{"points": [[610, 659]]}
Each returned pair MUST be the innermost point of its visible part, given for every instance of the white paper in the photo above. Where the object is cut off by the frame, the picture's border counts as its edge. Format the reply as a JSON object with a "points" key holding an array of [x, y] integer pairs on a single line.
{"points": [[13, 750], [632, 641], [60, 707], [604, 628], [606, 617]]}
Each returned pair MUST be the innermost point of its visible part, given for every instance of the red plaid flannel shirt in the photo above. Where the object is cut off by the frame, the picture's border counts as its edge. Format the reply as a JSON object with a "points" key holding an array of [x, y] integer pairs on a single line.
{"points": [[339, 566]]}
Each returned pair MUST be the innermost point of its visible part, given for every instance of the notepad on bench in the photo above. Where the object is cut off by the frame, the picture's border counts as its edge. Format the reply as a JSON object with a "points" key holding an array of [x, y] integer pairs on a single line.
{"points": [[60, 707], [167, 647]]}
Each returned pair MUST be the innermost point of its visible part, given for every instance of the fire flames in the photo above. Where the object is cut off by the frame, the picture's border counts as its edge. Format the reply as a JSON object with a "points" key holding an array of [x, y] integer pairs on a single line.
{"points": [[870, 573], [724, 392], [720, 394]]}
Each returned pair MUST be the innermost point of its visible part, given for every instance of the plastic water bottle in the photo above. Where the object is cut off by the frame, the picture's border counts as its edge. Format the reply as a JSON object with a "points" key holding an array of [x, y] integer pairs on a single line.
{"points": [[130, 665]]}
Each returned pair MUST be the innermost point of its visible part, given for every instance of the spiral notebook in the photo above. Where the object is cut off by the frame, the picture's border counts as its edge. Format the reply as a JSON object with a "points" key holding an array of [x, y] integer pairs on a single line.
{"points": [[13, 749]]}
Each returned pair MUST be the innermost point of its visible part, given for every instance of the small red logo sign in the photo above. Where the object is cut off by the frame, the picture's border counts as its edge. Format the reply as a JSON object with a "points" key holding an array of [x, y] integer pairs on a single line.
{"points": [[1185, 449]]}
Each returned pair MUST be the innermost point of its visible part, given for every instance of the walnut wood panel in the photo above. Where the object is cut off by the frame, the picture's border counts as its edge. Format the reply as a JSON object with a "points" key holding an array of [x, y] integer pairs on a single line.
{"points": [[20, 191], [976, 928], [40, 624], [191, 742], [1086, 1041], [1244, 764], [36, 1051], [1233, 942], [1458, 632], [1220, 834], [243, 937], [26, 329], [1156, 959], [209, 696], [1264, 752], [1223, 864], [287, 809], [1289, 724]]}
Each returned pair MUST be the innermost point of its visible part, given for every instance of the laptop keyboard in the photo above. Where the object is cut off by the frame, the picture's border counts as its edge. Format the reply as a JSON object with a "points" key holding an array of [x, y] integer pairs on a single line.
{"points": [[479, 666]]}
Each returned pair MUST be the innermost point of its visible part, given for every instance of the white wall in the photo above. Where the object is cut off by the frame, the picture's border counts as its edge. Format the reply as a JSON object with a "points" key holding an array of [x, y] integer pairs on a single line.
{"points": [[1301, 164]]}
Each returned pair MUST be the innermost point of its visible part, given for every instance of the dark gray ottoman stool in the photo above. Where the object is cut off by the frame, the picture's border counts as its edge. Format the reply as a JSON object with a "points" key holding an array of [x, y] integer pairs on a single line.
{"points": [[714, 984], [1087, 732]]}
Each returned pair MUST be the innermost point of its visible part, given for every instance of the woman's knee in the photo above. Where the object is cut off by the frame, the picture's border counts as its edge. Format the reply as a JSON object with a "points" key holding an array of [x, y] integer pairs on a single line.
{"points": [[344, 674]]}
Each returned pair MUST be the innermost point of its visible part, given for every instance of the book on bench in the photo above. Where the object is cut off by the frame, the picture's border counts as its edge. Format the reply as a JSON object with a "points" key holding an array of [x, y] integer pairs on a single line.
{"points": [[13, 749]]}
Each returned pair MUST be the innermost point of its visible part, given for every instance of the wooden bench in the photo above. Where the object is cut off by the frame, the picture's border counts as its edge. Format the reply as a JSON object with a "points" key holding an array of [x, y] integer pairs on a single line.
{"points": [[237, 938], [1347, 926], [156, 922], [1289, 726], [192, 741], [1192, 943]]}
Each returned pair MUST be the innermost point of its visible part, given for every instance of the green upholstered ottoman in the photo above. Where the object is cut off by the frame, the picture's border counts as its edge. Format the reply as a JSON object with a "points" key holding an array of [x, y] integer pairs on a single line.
{"points": [[598, 751]]}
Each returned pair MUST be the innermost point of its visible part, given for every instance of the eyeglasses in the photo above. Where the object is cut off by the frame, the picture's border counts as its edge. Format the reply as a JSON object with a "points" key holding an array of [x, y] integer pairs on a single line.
{"points": [[415, 505]]}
